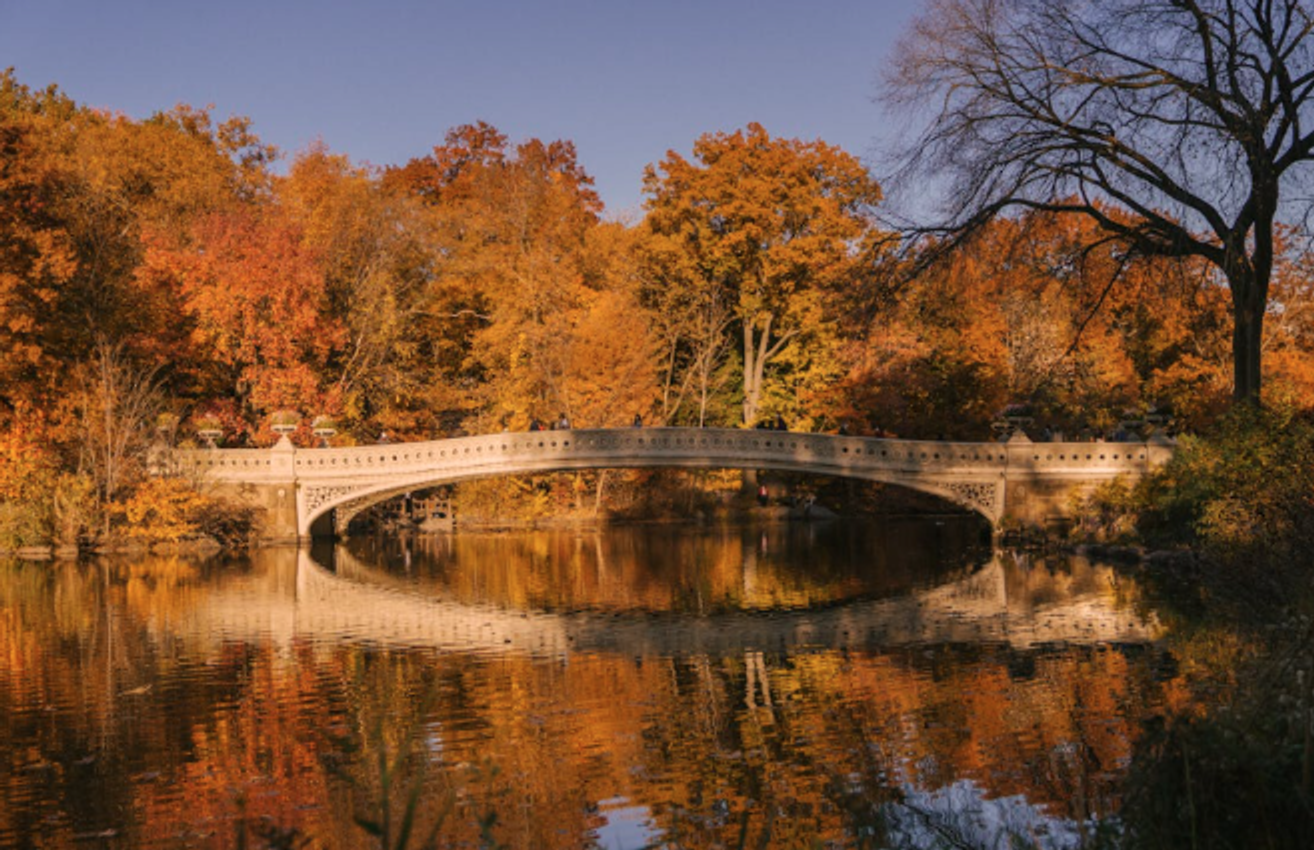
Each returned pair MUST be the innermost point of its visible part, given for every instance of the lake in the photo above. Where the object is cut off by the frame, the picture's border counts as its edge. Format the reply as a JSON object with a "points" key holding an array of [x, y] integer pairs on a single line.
{"points": [[839, 684]]}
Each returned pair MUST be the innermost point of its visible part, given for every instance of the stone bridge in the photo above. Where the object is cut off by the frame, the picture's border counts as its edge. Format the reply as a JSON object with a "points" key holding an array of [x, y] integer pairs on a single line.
{"points": [[307, 492]]}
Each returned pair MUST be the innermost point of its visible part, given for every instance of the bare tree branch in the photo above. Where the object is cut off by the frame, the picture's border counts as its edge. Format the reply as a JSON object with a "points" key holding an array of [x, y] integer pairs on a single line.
{"points": [[1178, 125]]}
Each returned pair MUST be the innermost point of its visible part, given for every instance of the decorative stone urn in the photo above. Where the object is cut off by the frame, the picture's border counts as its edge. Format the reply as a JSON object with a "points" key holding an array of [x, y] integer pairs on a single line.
{"points": [[208, 428], [324, 427], [284, 423]]}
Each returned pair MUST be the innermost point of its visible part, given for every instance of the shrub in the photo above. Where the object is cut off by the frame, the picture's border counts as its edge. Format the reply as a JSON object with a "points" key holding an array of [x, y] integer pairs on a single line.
{"points": [[167, 510], [1109, 514], [1246, 487], [27, 484]]}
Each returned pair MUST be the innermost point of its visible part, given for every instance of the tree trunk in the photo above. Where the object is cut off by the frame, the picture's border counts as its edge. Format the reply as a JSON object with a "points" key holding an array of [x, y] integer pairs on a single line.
{"points": [[748, 483], [750, 385], [1249, 299], [757, 351]]}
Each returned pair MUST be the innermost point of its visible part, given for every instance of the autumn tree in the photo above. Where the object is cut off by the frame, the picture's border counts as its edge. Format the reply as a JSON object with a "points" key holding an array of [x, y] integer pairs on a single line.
{"points": [[82, 188], [37, 257], [374, 252], [115, 402], [252, 293], [692, 324], [1186, 117], [124, 179], [523, 267], [609, 365], [774, 227], [1039, 309]]}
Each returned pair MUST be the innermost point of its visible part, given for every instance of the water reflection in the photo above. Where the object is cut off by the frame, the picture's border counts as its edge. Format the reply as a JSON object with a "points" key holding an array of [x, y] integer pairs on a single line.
{"points": [[697, 687], [677, 568]]}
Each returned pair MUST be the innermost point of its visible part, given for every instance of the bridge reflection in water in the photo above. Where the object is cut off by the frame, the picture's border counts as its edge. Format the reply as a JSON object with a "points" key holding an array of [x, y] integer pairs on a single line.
{"points": [[995, 604], [632, 687]]}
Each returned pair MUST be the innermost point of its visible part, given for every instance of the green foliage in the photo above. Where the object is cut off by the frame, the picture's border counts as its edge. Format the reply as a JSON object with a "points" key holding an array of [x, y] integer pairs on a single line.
{"points": [[1242, 491], [23, 524], [58, 508], [1108, 515], [1238, 773], [39, 503]]}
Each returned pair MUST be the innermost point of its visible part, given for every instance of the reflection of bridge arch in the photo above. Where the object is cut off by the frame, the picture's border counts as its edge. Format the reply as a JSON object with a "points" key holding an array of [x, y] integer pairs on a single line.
{"points": [[1019, 478], [981, 607]]}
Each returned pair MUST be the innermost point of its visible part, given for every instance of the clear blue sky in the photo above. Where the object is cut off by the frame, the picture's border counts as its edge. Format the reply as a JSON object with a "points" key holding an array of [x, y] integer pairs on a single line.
{"points": [[382, 80]]}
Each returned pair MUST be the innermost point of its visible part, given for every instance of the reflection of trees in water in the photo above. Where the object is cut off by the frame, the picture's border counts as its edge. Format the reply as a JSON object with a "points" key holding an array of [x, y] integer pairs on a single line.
{"points": [[679, 567], [114, 665]]}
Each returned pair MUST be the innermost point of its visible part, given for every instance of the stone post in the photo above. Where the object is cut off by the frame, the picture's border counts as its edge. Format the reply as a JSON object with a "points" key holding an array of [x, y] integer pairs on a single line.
{"points": [[281, 493]]}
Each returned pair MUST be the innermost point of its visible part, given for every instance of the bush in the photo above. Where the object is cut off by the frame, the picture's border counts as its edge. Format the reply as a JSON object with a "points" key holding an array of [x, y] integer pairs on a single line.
{"points": [[167, 510], [1244, 490], [28, 479], [23, 524], [1242, 494], [1109, 514], [1236, 772]]}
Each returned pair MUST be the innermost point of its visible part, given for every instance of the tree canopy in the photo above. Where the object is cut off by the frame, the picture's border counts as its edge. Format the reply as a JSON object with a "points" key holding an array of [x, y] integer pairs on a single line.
{"points": [[159, 279], [773, 229], [1182, 127]]}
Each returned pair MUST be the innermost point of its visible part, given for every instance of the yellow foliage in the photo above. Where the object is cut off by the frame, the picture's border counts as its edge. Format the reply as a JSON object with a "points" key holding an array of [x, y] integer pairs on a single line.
{"points": [[163, 510]]}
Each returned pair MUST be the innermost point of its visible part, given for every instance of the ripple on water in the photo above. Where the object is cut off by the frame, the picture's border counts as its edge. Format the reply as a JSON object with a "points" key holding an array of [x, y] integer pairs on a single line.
{"points": [[148, 703]]}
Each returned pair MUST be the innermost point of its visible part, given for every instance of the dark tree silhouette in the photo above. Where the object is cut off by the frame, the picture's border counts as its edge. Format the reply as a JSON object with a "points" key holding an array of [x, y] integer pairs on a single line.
{"points": [[1183, 127]]}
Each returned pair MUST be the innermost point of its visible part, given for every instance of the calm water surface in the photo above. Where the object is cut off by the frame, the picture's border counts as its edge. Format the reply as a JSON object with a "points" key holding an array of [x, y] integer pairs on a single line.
{"points": [[847, 684]]}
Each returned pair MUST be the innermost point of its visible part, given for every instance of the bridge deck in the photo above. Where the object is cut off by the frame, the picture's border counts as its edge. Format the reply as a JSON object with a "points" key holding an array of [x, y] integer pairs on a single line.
{"points": [[971, 474]]}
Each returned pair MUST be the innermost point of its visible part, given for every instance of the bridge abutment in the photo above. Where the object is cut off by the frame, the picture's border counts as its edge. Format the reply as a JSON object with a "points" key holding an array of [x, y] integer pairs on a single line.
{"points": [[1046, 483], [264, 480]]}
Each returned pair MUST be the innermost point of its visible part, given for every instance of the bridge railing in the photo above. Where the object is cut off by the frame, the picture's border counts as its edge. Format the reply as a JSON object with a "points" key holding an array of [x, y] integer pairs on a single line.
{"points": [[711, 447]]}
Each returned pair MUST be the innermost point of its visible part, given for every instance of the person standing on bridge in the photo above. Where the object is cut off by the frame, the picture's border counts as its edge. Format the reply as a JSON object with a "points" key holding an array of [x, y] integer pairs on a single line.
{"points": [[563, 424], [780, 423], [638, 420]]}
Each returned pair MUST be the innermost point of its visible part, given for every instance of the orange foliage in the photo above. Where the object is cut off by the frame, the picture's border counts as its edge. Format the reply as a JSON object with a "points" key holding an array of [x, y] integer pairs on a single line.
{"points": [[1043, 310], [779, 227], [255, 297]]}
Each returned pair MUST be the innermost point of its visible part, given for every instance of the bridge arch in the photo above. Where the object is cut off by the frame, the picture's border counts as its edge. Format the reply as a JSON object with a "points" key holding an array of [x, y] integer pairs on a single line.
{"points": [[464, 459], [342, 508], [992, 479]]}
